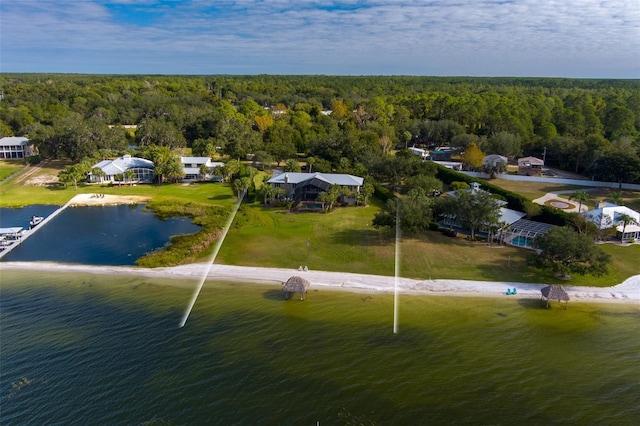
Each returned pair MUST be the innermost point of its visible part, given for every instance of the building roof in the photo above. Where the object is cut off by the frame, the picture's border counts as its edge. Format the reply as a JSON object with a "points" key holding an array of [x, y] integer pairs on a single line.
{"points": [[494, 158], [629, 228], [14, 141], [195, 160], [296, 284], [530, 161], [331, 178], [556, 292], [11, 230], [510, 216], [120, 165], [529, 228], [613, 212]]}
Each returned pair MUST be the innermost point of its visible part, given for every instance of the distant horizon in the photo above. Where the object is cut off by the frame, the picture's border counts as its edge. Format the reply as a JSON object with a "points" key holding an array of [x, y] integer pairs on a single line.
{"points": [[315, 75], [484, 38]]}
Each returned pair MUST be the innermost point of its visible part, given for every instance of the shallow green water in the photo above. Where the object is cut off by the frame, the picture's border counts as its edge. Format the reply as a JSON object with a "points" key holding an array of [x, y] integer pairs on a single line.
{"points": [[81, 348]]}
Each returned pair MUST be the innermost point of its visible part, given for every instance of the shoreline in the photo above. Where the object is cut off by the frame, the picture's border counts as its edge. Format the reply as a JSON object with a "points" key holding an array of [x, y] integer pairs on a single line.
{"points": [[626, 292]]}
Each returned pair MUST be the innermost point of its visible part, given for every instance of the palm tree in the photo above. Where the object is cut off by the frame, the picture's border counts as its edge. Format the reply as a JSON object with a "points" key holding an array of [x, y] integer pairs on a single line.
{"points": [[504, 228], [230, 168], [291, 166], [615, 197], [582, 197], [625, 219], [98, 174], [311, 161], [129, 175], [204, 171]]}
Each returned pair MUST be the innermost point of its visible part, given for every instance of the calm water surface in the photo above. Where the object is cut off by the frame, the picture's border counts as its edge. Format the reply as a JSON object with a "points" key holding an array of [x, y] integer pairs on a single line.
{"points": [[99, 235], [80, 349]]}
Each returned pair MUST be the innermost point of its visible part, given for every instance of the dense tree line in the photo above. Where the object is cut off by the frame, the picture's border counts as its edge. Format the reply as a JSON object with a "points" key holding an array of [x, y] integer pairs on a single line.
{"points": [[346, 124]]}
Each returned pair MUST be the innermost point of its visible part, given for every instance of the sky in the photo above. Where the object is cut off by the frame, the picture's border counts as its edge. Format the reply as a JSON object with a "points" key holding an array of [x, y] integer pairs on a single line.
{"points": [[534, 38]]}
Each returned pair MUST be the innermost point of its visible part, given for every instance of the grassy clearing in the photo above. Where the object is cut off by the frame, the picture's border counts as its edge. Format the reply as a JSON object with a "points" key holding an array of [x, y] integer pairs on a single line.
{"points": [[21, 191], [8, 168], [533, 190], [345, 241]]}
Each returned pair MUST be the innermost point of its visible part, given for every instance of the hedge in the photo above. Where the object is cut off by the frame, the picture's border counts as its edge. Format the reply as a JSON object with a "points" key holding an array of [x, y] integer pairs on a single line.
{"points": [[515, 201]]}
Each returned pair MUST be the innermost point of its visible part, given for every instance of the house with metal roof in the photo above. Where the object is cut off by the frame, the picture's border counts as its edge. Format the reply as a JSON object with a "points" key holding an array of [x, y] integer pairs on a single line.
{"points": [[306, 186], [16, 147], [609, 215], [114, 170], [530, 166], [507, 216], [198, 168]]}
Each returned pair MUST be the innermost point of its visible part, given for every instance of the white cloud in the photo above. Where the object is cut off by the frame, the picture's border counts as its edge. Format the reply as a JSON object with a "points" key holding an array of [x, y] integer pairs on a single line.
{"points": [[581, 38]]}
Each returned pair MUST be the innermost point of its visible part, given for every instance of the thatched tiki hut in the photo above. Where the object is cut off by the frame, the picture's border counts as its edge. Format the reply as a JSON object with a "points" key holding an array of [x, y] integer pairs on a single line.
{"points": [[555, 292], [295, 285]]}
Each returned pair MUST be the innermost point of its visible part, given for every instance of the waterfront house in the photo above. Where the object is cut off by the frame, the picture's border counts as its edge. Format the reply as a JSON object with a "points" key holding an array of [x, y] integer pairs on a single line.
{"points": [[507, 216], [608, 215], [114, 170], [194, 170], [16, 148], [306, 186]]}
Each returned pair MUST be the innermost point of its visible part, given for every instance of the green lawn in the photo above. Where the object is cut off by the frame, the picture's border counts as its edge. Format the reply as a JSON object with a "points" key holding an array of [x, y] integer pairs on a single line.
{"points": [[19, 193], [533, 190], [8, 168], [344, 240]]}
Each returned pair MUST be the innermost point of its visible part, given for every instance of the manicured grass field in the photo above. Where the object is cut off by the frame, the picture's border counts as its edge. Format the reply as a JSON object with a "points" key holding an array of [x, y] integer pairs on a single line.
{"points": [[533, 190], [344, 240]]}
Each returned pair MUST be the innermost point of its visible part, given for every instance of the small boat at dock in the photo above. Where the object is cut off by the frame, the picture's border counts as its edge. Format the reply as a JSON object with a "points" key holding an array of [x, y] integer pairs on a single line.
{"points": [[35, 220]]}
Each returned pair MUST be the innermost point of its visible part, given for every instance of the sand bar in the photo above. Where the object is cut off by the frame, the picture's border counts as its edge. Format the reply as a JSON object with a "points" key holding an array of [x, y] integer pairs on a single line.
{"points": [[189, 275]]}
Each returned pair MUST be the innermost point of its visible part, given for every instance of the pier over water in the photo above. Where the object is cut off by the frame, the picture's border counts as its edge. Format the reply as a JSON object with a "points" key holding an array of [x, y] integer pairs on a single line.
{"points": [[33, 230]]}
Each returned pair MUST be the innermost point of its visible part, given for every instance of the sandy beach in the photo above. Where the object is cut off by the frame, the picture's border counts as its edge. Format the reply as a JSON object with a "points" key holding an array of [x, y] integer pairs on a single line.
{"points": [[100, 199], [190, 275]]}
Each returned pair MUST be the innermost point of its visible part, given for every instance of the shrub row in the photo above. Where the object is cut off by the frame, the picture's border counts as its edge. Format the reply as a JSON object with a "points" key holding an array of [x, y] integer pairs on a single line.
{"points": [[514, 201], [382, 193]]}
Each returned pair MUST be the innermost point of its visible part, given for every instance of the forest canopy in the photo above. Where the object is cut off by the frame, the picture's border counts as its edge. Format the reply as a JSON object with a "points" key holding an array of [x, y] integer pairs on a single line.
{"points": [[344, 123]]}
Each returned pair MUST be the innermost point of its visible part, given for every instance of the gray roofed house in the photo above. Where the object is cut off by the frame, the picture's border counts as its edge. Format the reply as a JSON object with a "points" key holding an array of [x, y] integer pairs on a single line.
{"points": [[530, 166], [16, 147], [307, 186], [143, 169]]}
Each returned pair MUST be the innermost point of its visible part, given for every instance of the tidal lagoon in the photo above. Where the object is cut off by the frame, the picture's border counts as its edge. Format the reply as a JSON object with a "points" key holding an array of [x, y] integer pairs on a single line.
{"points": [[83, 348], [96, 235]]}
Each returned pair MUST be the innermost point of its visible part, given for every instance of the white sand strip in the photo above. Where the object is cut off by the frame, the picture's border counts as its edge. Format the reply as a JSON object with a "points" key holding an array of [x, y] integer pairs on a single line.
{"points": [[188, 275], [100, 199]]}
